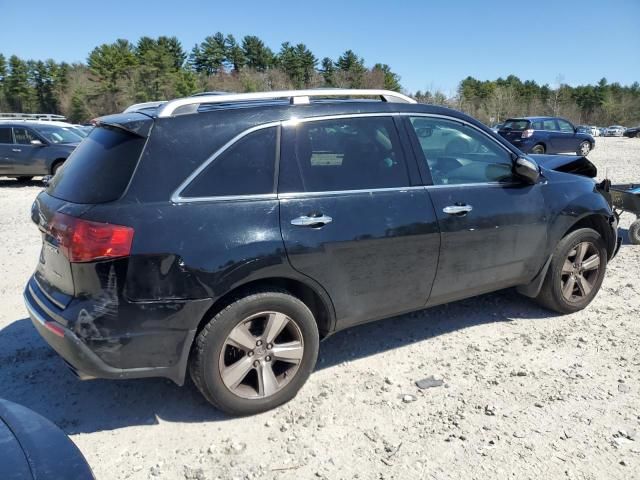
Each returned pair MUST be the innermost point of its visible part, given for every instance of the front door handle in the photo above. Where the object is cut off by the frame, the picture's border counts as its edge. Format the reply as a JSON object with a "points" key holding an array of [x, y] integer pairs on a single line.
{"points": [[16, 150], [307, 221], [457, 209]]}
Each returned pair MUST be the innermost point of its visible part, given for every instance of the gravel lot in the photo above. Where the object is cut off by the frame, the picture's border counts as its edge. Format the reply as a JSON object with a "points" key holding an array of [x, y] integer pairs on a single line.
{"points": [[526, 394]]}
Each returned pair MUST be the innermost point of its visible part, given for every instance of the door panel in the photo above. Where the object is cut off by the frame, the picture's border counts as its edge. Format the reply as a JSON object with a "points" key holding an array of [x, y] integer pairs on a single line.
{"points": [[353, 217], [377, 256], [495, 245]]}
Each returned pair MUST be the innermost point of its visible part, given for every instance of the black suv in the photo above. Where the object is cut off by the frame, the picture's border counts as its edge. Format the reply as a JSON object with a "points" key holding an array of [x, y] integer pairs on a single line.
{"points": [[228, 234], [28, 149]]}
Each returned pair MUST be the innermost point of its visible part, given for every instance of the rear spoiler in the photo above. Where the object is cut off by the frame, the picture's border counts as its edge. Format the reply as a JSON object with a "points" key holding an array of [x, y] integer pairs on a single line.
{"points": [[135, 123]]}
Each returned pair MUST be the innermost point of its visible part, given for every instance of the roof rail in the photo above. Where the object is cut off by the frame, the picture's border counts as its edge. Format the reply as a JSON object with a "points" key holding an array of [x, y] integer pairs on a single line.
{"points": [[32, 116], [183, 106]]}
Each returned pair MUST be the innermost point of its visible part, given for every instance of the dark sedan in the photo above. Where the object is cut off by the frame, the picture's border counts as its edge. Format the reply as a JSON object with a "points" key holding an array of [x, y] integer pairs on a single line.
{"points": [[546, 135], [632, 132]]}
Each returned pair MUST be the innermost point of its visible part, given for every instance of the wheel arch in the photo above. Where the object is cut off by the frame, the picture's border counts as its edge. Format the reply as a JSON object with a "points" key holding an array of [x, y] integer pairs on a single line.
{"points": [[600, 224], [318, 302], [56, 162]]}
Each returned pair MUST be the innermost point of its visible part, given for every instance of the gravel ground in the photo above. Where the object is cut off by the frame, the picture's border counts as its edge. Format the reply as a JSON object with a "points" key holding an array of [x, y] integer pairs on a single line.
{"points": [[526, 394]]}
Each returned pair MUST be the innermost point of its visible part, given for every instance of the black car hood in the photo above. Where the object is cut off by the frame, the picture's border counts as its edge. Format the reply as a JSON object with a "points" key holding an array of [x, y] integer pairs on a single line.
{"points": [[567, 163]]}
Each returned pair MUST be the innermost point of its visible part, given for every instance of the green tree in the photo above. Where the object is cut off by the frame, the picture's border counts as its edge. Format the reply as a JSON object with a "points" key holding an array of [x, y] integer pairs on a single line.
{"points": [[111, 64], [298, 63], [17, 88], [234, 54], [327, 69], [391, 80], [3, 75], [210, 55], [258, 56], [353, 67]]}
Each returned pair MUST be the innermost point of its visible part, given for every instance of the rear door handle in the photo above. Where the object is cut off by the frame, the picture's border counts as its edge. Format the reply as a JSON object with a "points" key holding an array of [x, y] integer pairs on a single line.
{"points": [[306, 221], [457, 209]]}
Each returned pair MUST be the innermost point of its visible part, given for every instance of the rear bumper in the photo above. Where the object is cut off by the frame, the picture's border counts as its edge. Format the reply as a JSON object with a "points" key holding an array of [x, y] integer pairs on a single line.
{"points": [[85, 361]]}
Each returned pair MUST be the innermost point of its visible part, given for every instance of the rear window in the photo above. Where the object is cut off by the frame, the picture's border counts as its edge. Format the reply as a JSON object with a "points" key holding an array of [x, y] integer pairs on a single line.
{"points": [[515, 125], [100, 168]]}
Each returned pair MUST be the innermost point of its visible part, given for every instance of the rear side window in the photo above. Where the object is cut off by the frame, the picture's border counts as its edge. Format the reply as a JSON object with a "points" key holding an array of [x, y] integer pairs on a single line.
{"points": [[549, 124], [245, 168], [100, 168], [5, 135], [515, 125], [343, 154], [566, 126]]}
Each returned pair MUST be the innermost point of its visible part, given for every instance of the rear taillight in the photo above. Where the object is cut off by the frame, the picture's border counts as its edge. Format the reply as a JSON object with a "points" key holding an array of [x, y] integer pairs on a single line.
{"points": [[85, 241], [527, 133]]}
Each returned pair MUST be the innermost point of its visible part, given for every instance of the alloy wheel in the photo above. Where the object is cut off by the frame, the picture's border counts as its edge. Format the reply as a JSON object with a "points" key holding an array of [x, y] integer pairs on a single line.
{"points": [[261, 355], [580, 271], [585, 148]]}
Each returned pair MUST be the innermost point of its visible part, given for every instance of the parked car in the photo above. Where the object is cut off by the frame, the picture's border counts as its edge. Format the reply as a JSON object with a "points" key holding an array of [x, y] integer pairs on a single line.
{"points": [[632, 132], [34, 448], [546, 135], [603, 131], [230, 254], [615, 131], [496, 127], [593, 131], [28, 149]]}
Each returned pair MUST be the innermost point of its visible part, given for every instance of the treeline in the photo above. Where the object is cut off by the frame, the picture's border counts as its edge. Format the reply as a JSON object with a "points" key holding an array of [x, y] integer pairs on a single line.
{"points": [[119, 74], [122, 73], [493, 101]]}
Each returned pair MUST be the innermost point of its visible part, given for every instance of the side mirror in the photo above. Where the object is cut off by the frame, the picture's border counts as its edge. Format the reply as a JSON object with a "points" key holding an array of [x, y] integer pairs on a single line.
{"points": [[526, 168], [36, 143]]}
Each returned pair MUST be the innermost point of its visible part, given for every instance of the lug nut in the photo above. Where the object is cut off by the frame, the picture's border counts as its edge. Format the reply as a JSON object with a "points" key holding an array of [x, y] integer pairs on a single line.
{"points": [[258, 343], [269, 346], [256, 363], [268, 358], [250, 353]]}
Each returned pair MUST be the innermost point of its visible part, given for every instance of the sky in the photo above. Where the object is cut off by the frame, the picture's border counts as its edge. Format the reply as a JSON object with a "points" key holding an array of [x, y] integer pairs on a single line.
{"points": [[430, 44]]}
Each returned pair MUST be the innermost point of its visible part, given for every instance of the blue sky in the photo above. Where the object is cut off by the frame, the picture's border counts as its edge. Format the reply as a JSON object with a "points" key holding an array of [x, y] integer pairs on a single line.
{"points": [[430, 44]]}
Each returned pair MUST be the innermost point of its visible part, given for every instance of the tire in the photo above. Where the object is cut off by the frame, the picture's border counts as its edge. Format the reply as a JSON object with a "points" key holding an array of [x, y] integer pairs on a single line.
{"points": [[24, 178], [56, 167], [583, 149], [634, 232], [538, 149], [215, 352], [638, 135], [551, 295]]}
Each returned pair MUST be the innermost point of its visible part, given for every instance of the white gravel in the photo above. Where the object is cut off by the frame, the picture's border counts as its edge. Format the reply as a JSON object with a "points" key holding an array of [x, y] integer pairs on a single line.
{"points": [[526, 394]]}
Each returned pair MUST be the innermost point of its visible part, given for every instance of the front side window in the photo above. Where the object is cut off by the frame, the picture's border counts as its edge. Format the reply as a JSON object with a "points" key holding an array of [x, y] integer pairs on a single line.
{"points": [[344, 154], [55, 134], [566, 126], [245, 168], [5, 135], [23, 136], [456, 153], [549, 124]]}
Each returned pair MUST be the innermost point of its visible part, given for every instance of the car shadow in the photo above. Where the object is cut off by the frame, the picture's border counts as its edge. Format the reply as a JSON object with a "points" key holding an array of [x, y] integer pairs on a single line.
{"points": [[35, 376]]}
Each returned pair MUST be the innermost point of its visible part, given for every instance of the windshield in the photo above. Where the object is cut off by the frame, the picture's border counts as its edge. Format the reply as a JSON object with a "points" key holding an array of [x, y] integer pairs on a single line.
{"points": [[55, 134]]}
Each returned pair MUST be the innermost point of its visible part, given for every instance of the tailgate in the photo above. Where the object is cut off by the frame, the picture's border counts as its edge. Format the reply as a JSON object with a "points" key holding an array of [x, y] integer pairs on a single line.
{"points": [[53, 272]]}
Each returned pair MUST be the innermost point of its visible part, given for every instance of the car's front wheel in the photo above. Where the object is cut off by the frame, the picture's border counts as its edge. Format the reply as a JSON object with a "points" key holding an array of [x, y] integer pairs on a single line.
{"points": [[256, 353], [576, 272], [584, 149]]}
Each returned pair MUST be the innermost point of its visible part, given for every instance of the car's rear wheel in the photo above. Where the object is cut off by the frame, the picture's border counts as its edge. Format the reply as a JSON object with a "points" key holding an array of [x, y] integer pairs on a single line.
{"points": [[634, 232], [24, 178], [575, 273], [538, 149], [584, 148], [256, 353]]}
